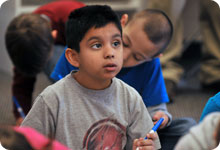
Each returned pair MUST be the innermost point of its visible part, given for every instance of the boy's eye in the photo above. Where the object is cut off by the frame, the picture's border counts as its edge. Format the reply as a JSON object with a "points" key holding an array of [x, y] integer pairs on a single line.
{"points": [[138, 57], [125, 45], [116, 44], [96, 46]]}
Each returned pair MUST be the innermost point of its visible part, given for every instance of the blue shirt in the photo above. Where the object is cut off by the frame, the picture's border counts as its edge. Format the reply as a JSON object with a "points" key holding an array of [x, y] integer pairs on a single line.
{"points": [[146, 78], [212, 105]]}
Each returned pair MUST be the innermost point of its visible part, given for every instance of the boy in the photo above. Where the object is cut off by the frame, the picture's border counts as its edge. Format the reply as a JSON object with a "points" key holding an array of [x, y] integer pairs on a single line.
{"points": [[30, 40], [89, 108], [145, 37]]}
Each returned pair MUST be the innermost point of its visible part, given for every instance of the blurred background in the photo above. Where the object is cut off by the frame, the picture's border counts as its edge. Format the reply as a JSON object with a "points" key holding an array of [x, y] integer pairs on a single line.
{"points": [[189, 99]]}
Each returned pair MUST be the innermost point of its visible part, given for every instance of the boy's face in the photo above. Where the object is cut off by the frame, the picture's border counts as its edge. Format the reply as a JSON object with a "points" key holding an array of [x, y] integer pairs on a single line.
{"points": [[101, 53], [137, 46]]}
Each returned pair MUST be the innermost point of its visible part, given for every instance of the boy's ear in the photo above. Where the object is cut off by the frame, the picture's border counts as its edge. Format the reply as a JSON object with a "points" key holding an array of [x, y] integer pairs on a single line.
{"points": [[124, 20], [72, 56], [160, 55], [54, 34]]}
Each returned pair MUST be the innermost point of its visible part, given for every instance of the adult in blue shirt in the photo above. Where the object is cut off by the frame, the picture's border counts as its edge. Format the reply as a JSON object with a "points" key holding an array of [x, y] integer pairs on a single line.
{"points": [[145, 37], [213, 105]]}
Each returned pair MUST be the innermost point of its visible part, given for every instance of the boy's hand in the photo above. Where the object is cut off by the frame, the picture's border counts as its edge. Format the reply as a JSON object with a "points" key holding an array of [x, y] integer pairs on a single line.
{"points": [[158, 115], [141, 144]]}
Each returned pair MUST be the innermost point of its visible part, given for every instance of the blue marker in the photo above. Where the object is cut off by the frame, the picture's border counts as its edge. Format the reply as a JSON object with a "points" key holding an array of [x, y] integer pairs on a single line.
{"points": [[19, 109], [154, 129], [156, 126]]}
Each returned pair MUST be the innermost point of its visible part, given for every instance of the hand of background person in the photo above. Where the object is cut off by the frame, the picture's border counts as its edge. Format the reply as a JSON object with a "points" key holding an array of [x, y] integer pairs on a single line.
{"points": [[148, 144], [158, 115], [19, 121]]}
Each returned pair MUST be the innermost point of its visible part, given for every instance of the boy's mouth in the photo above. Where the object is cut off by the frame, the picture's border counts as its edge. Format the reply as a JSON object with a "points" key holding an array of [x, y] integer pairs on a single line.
{"points": [[110, 67]]}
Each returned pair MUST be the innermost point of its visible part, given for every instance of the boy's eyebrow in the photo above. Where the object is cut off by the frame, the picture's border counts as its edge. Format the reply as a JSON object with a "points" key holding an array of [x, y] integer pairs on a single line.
{"points": [[137, 53], [93, 38], [96, 37], [129, 41], [116, 35]]}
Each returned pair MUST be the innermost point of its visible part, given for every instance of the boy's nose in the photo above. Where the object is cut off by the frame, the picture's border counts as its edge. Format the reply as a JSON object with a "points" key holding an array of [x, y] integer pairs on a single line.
{"points": [[109, 53], [110, 56]]}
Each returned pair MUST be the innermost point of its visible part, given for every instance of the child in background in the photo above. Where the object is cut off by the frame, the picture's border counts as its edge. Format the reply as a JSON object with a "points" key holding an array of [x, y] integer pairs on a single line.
{"points": [[145, 37], [204, 136], [89, 108], [34, 42], [26, 138], [213, 105], [29, 42]]}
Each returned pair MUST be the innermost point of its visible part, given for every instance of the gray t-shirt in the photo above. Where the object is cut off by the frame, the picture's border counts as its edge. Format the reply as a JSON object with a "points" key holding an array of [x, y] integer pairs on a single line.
{"points": [[82, 118]]}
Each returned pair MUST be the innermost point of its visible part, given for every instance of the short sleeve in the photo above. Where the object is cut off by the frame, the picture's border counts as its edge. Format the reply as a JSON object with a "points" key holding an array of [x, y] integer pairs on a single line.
{"points": [[40, 118]]}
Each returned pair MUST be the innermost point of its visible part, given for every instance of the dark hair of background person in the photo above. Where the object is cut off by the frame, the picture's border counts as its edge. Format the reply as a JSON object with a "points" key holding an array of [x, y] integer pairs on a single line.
{"points": [[12, 140], [78, 23], [29, 43]]}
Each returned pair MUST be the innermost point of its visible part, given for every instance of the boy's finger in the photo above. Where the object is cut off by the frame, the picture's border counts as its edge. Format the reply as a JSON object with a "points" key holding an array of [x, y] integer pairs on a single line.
{"points": [[135, 144], [147, 148], [145, 145], [152, 136], [147, 142]]}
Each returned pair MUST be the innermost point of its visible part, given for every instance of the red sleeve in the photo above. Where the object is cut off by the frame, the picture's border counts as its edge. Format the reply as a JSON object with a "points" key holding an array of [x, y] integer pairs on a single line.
{"points": [[58, 13]]}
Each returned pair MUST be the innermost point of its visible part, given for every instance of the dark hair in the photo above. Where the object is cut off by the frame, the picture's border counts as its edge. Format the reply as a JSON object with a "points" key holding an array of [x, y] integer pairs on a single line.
{"points": [[83, 19], [29, 43], [13, 140], [158, 27]]}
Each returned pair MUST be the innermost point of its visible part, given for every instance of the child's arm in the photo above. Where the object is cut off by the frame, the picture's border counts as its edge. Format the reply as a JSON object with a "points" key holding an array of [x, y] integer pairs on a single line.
{"points": [[160, 111], [148, 144], [158, 115]]}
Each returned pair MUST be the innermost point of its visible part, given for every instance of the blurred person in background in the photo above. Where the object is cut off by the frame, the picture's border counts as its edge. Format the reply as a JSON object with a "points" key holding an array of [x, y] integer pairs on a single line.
{"points": [[34, 43]]}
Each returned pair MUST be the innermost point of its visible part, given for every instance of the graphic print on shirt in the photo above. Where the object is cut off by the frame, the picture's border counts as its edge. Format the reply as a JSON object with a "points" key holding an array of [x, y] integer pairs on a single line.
{"points": [[106, 134]]}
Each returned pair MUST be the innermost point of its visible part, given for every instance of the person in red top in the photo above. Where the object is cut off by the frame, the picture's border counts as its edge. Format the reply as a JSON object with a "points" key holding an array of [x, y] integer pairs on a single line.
{"points": [[34, 42], [57, 13]]}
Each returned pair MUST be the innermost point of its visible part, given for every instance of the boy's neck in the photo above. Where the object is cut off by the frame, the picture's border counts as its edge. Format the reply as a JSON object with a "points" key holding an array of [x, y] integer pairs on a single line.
{"points": [[91, 83]]}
